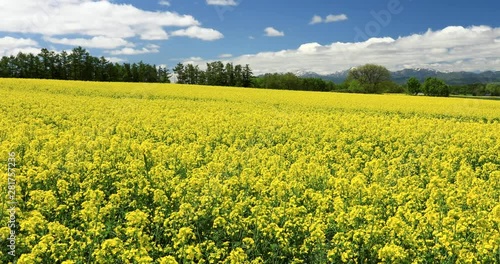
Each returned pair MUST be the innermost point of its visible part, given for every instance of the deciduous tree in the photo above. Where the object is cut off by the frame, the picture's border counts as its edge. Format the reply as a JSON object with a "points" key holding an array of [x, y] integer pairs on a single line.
{"points": [[413, 85], [371, 77]]}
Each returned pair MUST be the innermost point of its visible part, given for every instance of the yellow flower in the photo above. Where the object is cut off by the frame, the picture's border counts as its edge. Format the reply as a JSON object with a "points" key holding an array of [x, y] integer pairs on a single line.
{"points": [[167, 260], [170, 173], [137, 218]]}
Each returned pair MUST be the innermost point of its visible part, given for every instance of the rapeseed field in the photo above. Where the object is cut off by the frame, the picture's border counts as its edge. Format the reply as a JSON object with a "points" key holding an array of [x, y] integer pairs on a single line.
{"points": [[166, 173]]}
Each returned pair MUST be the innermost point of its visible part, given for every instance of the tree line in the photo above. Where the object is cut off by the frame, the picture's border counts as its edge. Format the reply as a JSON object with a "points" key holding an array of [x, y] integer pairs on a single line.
{"points": [[219, 74], [477, 89], [216, 74], [78, 65], [289, 81], [372, 78], [435, 87]]}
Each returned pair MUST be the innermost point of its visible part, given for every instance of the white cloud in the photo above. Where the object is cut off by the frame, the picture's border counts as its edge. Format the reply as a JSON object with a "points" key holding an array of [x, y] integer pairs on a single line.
{"points": [[132, 51], [227, 55], [115, 59], [450, 49], [309, 48], [95, 24], [162, 66], [95, 42], [328, 19], [26, 50], [207, 34], [222, 2], [88, 18], [12, 46], [102, 24], [154, 34], [272, 32], [316, 20], [7, 42], [164, 3], [195, 61], [335, 18]]}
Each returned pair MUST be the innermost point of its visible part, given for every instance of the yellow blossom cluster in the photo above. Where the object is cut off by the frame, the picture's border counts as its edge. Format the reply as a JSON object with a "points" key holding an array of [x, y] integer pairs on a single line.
{"points": [[165, 173]]}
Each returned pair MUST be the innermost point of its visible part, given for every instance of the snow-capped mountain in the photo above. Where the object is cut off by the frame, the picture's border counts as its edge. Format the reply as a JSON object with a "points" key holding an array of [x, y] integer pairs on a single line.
{"points": [[401, 76]]}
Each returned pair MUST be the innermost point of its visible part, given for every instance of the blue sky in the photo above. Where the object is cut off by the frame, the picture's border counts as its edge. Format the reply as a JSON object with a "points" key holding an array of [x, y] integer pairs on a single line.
{"points": [[272, 36]]}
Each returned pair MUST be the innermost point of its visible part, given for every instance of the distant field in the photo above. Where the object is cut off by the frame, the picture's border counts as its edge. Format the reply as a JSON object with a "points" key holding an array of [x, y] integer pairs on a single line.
{"points": [[477, 97], [165, 173]]}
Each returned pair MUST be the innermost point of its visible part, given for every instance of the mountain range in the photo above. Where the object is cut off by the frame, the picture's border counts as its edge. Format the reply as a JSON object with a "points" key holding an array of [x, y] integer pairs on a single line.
{"points": [[400, 77]]}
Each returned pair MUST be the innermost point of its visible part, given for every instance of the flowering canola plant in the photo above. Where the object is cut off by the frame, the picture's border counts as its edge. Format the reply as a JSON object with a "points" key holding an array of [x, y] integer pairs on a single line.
{"points": [[165, 173]]}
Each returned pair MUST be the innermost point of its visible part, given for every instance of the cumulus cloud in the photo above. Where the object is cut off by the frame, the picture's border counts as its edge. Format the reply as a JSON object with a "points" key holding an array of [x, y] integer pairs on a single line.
{"points": [[132, 51], [95, 24], [225, 56], [195, 61], [316, 20], [95, 42], [207, 34], [88, 18], [272, 32], [450, 49], [104, 25], [335, 18], [328, 19], [12, 46], [115, 59], [7, 42], [222, 2]]}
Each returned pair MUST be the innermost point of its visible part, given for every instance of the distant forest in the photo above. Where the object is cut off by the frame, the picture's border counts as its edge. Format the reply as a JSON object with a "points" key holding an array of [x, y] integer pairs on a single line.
{"points": [[242, 76], [80, 65]]}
